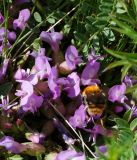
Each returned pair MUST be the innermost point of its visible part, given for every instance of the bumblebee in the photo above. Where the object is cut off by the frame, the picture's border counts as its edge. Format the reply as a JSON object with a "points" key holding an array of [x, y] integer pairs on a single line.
{"points": [[95, 100]]}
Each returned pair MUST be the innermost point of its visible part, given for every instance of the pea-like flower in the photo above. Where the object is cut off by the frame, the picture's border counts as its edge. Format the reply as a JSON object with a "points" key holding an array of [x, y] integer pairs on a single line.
{"points": [[72, 58], [11, 145], [52, 38], [42, 65], [33, 103], [129, 81], [29, 100], [70, 154], [11, 36], [73, 86], [89, 74], [79, 118], [117, 93], [21, 22], [52, 83]]}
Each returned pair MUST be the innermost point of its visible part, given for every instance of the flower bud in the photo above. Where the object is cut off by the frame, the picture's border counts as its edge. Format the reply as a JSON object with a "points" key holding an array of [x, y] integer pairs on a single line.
{"points": [[64, 68]]}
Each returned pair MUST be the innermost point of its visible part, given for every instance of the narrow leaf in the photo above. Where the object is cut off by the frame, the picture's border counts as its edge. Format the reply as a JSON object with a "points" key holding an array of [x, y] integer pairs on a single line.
{"points": [[116, 54], [125, 70], [116, 64], [133, 124], [127, 115], [135, 3], [121, 123]]}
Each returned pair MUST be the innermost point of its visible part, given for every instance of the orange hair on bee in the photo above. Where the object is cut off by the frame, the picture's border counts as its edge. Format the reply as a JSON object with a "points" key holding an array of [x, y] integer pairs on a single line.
{"points": [[91, 89]]}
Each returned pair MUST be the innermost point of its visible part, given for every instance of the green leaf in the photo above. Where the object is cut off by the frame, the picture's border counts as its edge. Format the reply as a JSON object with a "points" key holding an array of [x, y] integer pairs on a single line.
{"points": [[15, 157], [131, 89], [116, 64], [9, 1], [51, 20], [121, 123], [66, 29], [37, 17], [5, 88], [134, 94], [125, 136], [99, 24], [125, 29], [96, 42], [135, 3], [133, 124], [79, 36], [116, 54], [130, 57], [109, 34], [36, 44], [127, 115]]}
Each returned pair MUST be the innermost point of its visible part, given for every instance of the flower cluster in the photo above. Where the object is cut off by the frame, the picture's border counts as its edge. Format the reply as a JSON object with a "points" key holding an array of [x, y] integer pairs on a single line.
{"points": [[52, 88]]}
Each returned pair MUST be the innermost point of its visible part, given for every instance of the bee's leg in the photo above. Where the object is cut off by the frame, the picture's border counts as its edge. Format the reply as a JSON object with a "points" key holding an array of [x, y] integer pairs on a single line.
{"points": [[102, 122], [94, 138], [92, 119], [84, 97]]}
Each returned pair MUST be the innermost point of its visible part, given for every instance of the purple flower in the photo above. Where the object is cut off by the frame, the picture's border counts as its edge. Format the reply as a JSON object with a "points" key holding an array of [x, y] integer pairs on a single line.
{"points": [[26, 89], [52, 83], [22, 19], [72, 58], [33, 103], [79, 118], [29, 100], [11, 145], [8, 45], [70, 154], [42, 65], [102, 149], [53, 38], [41, 52], [5, 104], [117, 93], [73, 88], [11, 36], [129, 81], [2, 32], [21, 74], [92, 55], [3, 69], [89, 73]]}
